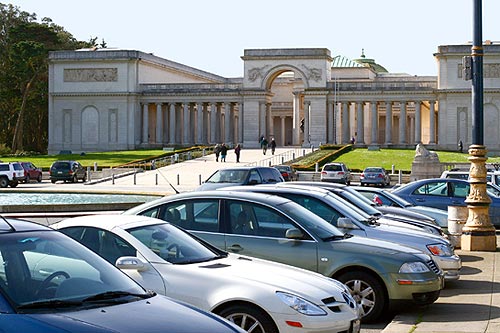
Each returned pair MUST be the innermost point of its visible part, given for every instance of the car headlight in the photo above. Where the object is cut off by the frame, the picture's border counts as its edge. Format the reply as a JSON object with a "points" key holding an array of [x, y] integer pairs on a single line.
{"points": [[300, 305], [414, 267], [440, 250]]}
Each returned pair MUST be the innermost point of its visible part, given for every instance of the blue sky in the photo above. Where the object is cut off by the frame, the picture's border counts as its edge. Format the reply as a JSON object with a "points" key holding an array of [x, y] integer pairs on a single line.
{"points": [[212, 35]]}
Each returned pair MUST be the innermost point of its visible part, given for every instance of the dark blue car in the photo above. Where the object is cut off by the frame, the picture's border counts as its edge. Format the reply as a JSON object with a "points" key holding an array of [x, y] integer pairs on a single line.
{"points": [[444, 192], [51, 283]]}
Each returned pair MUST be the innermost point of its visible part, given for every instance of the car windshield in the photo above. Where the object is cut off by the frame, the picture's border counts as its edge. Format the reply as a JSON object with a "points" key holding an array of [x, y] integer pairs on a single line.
{"points": [[362, 204], [228, 176], [493, 190], [311, 222], [172, 244], [48, 271], [332, 167]]}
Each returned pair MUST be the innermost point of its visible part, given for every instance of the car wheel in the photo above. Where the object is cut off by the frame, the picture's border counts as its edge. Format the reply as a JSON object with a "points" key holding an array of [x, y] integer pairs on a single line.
{"points": [[4, 182], [27, 179], [74, 179], [14, 183], [84, 179], [368, 292], [39, 178], [248, 318]]}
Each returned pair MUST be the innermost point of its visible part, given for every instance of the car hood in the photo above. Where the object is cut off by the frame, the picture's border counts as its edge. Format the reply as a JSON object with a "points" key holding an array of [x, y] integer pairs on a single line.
{"points": [[365, 245], [156, 314], [251, 272]]}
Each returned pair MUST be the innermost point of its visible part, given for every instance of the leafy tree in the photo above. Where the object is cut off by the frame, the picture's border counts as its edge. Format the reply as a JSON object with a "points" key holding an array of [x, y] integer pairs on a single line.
{"points": [[24, 47]]}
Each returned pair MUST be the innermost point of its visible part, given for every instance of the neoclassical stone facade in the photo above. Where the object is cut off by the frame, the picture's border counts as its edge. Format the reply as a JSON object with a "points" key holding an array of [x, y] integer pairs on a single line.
{"points": [[109, 99]]}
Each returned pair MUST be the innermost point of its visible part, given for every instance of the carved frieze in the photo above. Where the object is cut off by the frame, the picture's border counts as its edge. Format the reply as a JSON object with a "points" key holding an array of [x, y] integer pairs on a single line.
{"points": [[490, 71], [256, 73], [91, 75], [313, 73]]}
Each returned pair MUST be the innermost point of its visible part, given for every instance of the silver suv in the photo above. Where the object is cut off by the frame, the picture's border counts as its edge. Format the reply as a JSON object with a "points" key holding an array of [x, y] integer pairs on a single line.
{"points": [[11, 174], [336, 173]]}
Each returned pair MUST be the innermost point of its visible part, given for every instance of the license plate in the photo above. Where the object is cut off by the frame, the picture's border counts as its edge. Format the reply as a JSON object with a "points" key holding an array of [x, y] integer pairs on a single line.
{"points": [[355, 326]]}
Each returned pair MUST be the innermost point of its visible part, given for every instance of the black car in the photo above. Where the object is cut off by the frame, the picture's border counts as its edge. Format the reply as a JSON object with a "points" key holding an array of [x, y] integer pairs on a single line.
{"points": [[288, 173], [71, 171], [245, 175]]}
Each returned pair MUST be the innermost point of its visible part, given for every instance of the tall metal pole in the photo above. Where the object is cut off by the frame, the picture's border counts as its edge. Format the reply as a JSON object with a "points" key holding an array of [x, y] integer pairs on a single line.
{"points": [[478, 234]]}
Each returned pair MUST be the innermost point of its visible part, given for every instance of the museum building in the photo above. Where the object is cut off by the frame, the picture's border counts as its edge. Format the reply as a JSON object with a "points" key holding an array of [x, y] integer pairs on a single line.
{"points": [[113, 99]]}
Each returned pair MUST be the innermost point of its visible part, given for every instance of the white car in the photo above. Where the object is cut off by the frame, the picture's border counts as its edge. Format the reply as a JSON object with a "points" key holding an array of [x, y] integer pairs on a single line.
{"points": [[257, 295]]}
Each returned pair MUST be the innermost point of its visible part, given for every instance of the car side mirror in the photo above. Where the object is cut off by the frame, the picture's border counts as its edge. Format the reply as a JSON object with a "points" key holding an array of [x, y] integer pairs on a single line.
{"points": [[294, 234], [345, 223], [131, 263]]}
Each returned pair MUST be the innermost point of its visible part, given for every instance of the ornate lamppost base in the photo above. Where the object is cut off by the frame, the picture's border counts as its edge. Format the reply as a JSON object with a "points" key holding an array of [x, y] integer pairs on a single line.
{"points": [[478, 234]]}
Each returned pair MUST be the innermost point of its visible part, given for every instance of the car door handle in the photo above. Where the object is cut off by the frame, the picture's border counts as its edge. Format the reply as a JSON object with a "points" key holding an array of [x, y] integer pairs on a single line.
{"points": [[235, 248], [420, 200]]}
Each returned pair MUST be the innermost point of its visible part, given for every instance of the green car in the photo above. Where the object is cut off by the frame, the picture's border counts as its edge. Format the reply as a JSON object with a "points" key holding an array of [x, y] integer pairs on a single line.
{"points": [[378, 273]]}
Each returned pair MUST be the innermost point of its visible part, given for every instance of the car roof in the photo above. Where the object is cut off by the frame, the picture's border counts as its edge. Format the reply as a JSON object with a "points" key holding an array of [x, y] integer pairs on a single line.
{"points": [[9, 225], [281, 188], [108, 221]]}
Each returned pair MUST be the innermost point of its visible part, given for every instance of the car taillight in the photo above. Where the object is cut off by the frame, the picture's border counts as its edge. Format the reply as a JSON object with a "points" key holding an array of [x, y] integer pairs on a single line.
{"points": [[341, 173], [380, 175], [70, 172], [324, 172], [362, 175]]}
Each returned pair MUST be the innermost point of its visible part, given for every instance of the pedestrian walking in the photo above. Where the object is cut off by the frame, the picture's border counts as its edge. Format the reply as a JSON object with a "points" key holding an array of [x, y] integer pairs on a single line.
{"points": [[263, 144], [237, 151], [272, 144], [460, 146], [223, 152], [217, 152]]}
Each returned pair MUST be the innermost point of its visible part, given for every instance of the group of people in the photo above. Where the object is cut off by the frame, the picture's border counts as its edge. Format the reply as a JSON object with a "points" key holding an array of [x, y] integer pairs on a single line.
{"points": [[220, 150], [264, 144]]}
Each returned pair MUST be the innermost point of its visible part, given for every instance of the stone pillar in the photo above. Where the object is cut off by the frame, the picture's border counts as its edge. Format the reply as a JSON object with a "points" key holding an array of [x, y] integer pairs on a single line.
{"points": [[241, 124], [307, 139], [374, 115], [412, 130], [388, 123], [360, 125], [282, 118], [227, 122], [200, 128], [296, 119], [171, 111], [206, 124], [145, 123], [432, 122], [418, 122], [269, 121], [478, 234], [159, 123], [330, 123], [262, 119], [213, 123], [186, 126], [345, 122], [402, 122]]}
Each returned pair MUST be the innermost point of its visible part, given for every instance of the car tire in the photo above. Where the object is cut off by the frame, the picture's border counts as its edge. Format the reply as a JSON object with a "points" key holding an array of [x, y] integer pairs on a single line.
{"points": [[4, 182], [27, 179], [14, 183], [39, 178], [368, 292], [249, 316]]}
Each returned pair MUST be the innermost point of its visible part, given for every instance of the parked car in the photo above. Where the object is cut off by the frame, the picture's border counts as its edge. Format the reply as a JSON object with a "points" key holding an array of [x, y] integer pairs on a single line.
{"points": [[270, 227], [375, 176], [385, 201], [288, 172], [351, 220], [11, 173], [258, 295], [71, 171], [31, 172], [492, 176], [244, 175], [443, 192], [336, 173], [51, 283]]}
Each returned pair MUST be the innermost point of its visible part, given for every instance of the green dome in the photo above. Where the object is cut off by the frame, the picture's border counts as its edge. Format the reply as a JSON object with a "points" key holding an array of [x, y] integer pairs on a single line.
{"points": [[363, 61]]}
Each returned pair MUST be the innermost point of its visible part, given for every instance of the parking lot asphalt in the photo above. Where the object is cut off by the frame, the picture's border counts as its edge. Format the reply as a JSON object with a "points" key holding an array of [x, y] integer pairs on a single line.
{"points": [[471, 304]]}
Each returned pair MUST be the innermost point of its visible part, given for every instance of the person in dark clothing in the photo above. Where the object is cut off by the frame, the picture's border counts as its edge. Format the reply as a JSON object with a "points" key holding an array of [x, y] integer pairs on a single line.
{"points": [[223, 152], [237, 151], [263, 145], [272, 144], [217, 152], [460, 146]]}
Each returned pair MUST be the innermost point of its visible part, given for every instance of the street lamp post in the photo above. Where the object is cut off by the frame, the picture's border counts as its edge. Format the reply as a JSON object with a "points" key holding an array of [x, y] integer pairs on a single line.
{"points": [[478, 234]]}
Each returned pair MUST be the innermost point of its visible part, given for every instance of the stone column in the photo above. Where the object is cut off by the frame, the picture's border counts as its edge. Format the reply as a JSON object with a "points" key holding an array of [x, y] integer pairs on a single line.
{"points": [[145, 123], [171, 111], [213, 121], [360, 125], [186, 126], [241, 124], [402, 122], [227, 122], [206, 124], [432, 122], [200, 128], [159, 123], [269, 121], [307, 140], [345, 122], [411, 133], [262, 119], [388, 123], [374, 116], [418, 122], [283, 137], [296, 119], [330, 122]]}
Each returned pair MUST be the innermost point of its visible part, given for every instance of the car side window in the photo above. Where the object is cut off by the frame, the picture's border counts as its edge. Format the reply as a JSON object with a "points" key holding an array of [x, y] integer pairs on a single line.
{"points": [[256, 220], [435, 189], [199, 215], [254, 177], [460, 190], [270, 175]]}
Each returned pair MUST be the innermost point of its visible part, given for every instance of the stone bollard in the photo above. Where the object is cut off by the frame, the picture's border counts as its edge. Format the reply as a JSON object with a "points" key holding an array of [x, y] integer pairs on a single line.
{"points": [[457, 216]]}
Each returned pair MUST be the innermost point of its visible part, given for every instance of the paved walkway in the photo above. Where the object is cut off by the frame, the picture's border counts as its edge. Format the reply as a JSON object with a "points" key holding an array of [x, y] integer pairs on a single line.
{"points": [[188, 175]]}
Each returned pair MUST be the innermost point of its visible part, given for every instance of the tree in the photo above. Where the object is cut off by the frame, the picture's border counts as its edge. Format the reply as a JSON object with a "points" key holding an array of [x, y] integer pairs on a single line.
{"points": [[24, 47]]}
